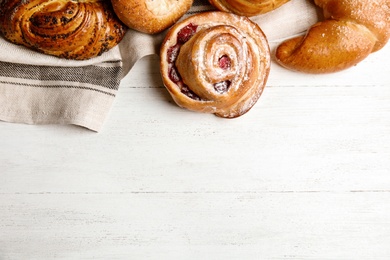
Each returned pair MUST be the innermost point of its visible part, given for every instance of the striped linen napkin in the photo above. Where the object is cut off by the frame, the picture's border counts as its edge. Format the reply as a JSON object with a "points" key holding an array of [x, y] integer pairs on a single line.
{"points": [[41, 89]]}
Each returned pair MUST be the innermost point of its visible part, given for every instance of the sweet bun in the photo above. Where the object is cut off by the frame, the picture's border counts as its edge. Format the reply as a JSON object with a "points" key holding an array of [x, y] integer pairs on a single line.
{"points": [[215, 62], [247, 7], [150, 16], [352, 30], [68, 29]]}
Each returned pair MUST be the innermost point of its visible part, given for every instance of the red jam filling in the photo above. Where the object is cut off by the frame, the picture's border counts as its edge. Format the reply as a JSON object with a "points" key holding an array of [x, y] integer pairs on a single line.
{"points": [[224, 62], [172, 53], [182, 37], [186, 33]]}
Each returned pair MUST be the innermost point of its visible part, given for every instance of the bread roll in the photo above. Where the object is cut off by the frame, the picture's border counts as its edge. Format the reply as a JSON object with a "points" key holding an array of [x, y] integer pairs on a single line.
{"points": [[352, 30], [247, 7], [68, 29], [150, 16], [215, 62]]}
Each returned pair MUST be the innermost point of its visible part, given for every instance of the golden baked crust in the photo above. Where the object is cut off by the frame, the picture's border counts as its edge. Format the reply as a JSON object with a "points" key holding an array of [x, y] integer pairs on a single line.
{"points": [[150, 16], [247, 7], [352, 30], [65, 28], [215, 62]]}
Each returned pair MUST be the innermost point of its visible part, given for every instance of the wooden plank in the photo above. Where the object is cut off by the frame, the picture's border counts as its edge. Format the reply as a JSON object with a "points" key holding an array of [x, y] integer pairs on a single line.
{"points": [[298, 138], [199, 225]]}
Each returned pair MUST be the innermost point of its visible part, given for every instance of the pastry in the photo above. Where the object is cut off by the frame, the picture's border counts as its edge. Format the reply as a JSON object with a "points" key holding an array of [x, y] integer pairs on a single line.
{"points": [[351, 31], [64, 28], [247, 7], [215, 62], [150, 16]]}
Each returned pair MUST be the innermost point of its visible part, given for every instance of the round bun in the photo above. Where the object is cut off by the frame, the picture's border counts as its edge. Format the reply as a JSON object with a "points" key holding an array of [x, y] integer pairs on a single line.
{"points": [[66, 29], [351, 31], [247, 7], [150, 16], [215, 62]]}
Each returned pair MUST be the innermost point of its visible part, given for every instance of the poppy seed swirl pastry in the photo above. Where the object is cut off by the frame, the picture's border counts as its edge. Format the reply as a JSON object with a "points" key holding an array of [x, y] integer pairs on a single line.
{"points": [[351, 31], [64, 28], [247, 7], [215, 62], [150, 16]]}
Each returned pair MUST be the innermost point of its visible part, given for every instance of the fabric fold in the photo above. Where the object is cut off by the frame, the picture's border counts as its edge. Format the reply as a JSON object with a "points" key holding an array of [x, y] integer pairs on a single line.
{"points": [[35, 94]]}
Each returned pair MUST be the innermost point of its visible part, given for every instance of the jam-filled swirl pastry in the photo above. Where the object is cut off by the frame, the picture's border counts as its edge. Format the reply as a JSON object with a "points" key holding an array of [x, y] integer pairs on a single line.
{"points": [[64, 28], [215, 62]]}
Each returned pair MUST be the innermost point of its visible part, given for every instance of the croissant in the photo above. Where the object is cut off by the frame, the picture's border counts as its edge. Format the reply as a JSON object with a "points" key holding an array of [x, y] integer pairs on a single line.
{"points": [[150, 16], [64, 28], [247, 7], [215, 62], [352, 30]]}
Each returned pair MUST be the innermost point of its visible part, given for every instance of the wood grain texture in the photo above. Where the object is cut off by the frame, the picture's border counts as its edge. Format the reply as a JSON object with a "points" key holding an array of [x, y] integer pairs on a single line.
{"points": [[304, 175]]}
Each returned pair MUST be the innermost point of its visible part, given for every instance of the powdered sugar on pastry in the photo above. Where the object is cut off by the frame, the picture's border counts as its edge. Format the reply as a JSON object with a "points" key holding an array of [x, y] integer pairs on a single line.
{"points": [[161, 7], [150, 16]]}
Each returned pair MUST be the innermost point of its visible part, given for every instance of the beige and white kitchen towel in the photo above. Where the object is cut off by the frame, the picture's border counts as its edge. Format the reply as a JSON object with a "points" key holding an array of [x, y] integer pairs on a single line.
{"points": [[41, 89]]}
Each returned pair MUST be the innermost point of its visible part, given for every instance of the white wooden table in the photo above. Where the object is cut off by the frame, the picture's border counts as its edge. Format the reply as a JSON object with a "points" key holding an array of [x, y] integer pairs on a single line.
{"points": [[304, 175]]}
